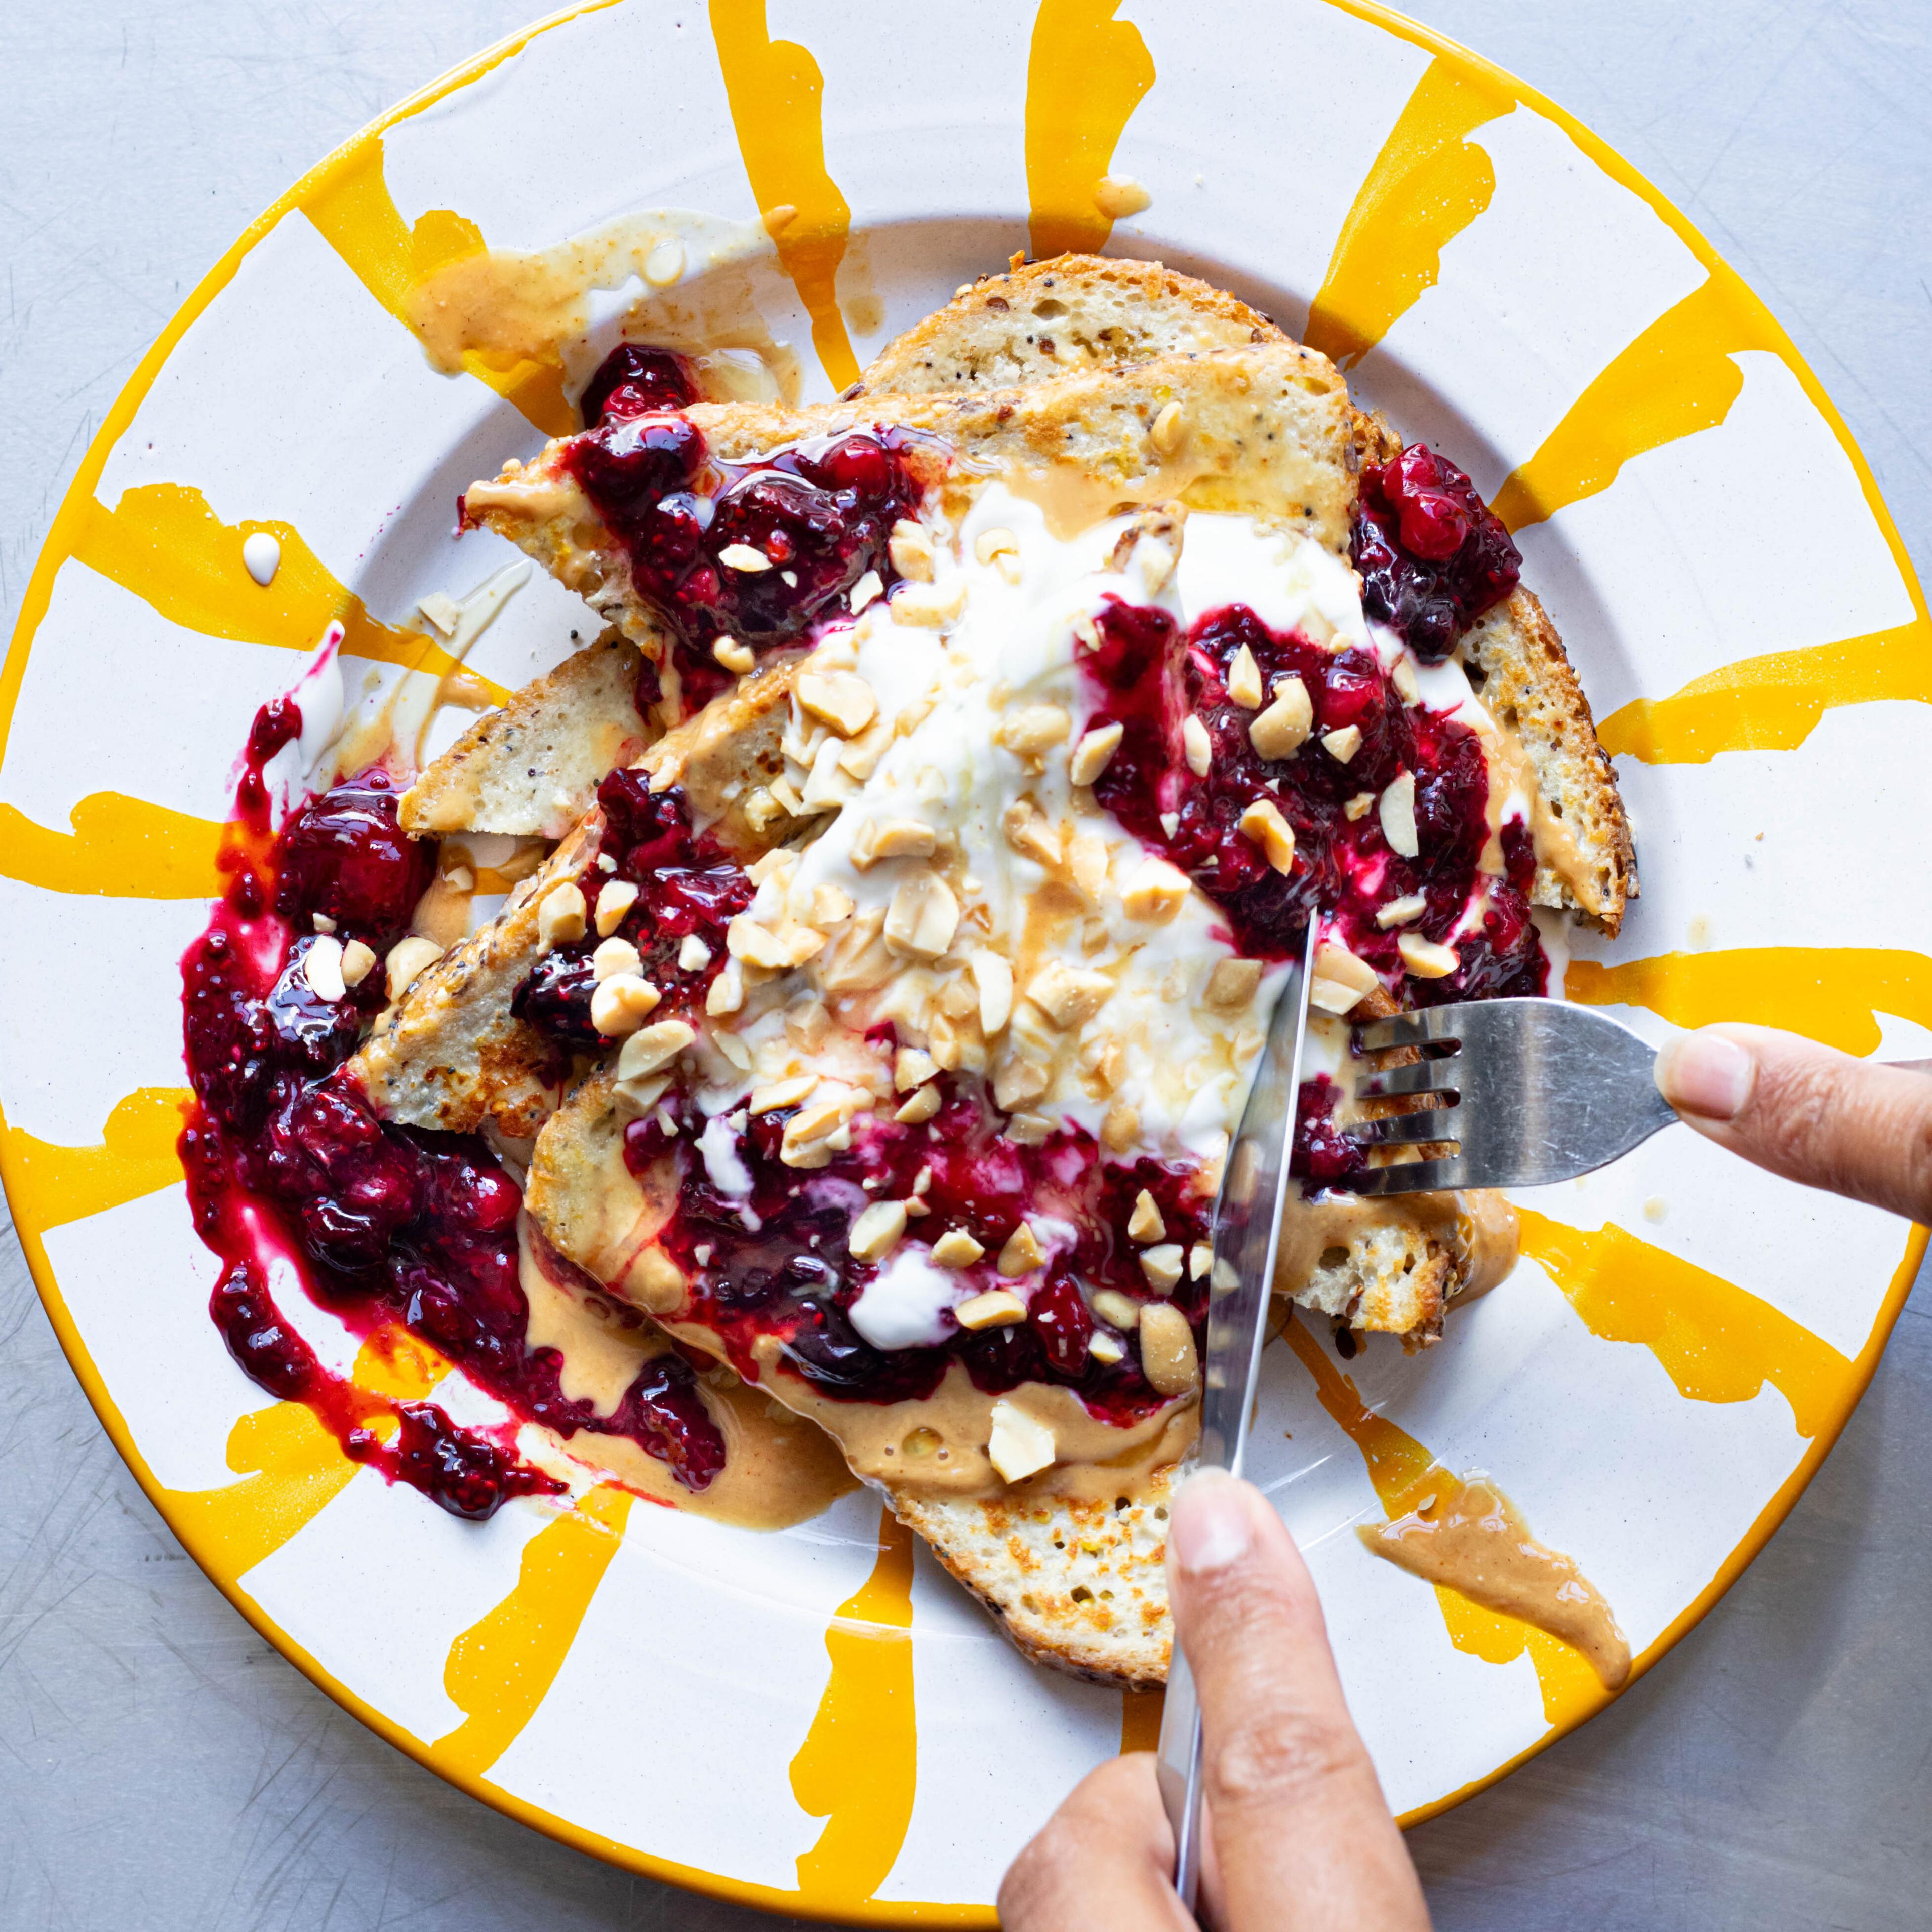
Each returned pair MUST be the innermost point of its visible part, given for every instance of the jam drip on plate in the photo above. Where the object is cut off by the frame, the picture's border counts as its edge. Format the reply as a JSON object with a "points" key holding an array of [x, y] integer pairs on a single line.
{"points": [[753, 553], [775, 1262], [1433, 555], [1149, 679], [689, 889], [386, 1227]]}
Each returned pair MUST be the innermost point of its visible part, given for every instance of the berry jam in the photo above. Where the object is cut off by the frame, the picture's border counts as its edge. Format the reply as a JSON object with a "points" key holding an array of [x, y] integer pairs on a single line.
{"points": [[784, 1269], [1433, 555], [1322, 1155], [389, 1227], [1149, 679], [818, 516], [688, 888], [634, 381]]}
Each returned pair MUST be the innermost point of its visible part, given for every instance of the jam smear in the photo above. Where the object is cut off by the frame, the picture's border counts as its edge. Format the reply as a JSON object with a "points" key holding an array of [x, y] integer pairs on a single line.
{"points": [[388, 1227], [1148, 678], [633, 380], [818, 516], [1433, 554], [689, 887], [777, 1263]]}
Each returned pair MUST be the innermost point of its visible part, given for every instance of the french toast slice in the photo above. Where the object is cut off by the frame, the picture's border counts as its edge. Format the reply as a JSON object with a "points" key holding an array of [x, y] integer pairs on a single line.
{"points": [[532, 768], [451, 1054], [1043, 319]]}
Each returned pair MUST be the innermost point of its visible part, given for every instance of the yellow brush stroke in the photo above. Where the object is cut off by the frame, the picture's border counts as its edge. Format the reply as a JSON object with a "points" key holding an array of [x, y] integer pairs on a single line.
{"points": [[1829, 994], [164, 544], [1401, 1470], [291, 1467], [1140, 1720], [120, 848], [775, 91], [857, 1767], [354, 212], [1677, 378], [1427, 184], [1086, 74], [1774, 702], [1716, 1342], [502, 1668], [51, 1184]]}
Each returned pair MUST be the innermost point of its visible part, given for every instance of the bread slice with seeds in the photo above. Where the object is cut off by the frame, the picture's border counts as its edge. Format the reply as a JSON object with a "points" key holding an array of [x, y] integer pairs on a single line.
{"points": [[1054, 318], [532, 769], [451, 1054]]}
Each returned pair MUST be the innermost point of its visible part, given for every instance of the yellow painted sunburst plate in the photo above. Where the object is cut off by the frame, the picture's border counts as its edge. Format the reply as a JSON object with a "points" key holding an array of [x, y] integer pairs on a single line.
{"points": [[816, 1720]]}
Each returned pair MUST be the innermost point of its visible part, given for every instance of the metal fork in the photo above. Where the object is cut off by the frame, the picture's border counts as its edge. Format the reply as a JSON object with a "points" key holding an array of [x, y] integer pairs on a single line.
{"points": [[1531, 1091]]}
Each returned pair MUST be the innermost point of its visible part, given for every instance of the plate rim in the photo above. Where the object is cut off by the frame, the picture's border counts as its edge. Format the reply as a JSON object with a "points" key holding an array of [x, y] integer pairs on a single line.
{"points": [[35, 600]]}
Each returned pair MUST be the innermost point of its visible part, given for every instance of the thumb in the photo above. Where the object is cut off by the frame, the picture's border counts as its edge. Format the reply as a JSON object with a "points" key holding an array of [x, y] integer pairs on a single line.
{"points": [[1807, 1112]]}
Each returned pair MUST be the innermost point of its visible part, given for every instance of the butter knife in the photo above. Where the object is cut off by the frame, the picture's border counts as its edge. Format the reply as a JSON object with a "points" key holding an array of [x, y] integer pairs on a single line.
{"points": [[1254, 1190]]}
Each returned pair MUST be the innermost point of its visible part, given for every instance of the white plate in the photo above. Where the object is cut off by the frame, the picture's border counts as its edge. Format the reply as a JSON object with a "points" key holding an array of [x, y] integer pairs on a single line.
{"points": [[796, 1720]]}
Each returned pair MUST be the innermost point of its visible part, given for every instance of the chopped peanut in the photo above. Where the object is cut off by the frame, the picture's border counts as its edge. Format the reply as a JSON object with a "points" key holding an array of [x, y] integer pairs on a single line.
{"points": [[922, 917], [1404, 911], [1111, 1306], [1281, 730], [1244, 680], [892, 838], [1398, 816], [561, 916], [1424, 959], [995, 979], [1145, 1223], [407, 960], [930, 607], [912, 1068], [1035, 730], [1263, 823], [1030, 835], [1068, 995], [956, 1249], [358, 961], [1169, 431], [1162, 1267], [841, 699], [322, 967], [653, 1048], [998, 1308], [613, 902], [614, 956], [1155, 892], [620, 1004], [1342, 746], [1198, 746], [877, 1231], [1232, 984], [911, 551], [922, 1105], [781, 1094], [1168, 1357], [1094, 753], [1022, 1254], [743, 557], [735, 657], [1020, 1444]]}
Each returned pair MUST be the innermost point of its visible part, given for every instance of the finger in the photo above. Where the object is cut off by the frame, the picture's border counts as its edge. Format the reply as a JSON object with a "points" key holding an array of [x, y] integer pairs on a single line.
{"points": [[1102, 1860], [1807, 1112], [1302, 1835]]}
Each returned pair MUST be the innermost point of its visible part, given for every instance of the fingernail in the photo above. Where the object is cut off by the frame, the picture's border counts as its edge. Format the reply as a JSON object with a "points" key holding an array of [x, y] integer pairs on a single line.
{"points": [[1706, 1074], [1211, 1527]]}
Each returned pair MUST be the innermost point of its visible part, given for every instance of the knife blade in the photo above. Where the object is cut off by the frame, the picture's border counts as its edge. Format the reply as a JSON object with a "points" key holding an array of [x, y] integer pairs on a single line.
{"points": [[1255, 1189]]}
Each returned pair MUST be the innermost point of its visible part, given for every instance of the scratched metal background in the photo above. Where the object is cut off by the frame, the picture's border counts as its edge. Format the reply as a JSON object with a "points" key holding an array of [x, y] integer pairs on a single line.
{"points": [[161, 1770]]}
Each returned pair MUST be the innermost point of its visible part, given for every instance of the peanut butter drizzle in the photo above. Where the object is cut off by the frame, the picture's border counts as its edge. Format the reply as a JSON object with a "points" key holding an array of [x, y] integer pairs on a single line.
{"points": [[1475, 1549], [1462, 1532], [779, 1470]]}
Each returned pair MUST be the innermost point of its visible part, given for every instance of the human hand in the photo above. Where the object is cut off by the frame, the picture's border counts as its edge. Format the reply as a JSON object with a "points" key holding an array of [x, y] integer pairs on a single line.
{"points": [[1299, 1837], [1807, 1112]]}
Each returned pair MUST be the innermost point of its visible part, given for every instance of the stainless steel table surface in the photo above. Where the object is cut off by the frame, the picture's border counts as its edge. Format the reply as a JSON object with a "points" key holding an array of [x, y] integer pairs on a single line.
{"points": [[161, 1770]]}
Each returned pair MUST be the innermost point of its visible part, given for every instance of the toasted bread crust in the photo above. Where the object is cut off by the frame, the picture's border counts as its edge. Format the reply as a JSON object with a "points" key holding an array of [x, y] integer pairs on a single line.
{"points": [[532, 768], [451, 1054], [1080, 1586], [1055, 317], [1526, 680]]}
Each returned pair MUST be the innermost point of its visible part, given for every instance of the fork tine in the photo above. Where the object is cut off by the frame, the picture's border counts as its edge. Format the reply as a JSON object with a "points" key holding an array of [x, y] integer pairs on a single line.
{"points": [[1411, 1177], [1414, 1029], [1427, 1076], [1432, 1123]]}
